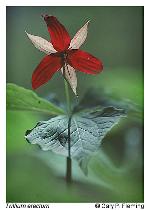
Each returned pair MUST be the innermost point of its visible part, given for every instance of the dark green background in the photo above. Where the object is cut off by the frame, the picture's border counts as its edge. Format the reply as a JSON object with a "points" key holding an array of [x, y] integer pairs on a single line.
{"points": [[116, 172]]}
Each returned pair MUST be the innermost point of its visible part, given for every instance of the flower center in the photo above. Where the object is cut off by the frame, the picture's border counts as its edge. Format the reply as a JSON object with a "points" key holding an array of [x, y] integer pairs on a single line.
{"points": [[63, 56]]}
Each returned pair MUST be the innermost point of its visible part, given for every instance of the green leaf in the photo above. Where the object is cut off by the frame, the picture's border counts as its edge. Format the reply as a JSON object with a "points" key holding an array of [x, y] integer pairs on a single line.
{"points": [[19, 98], [86, 133], [99, 97]]}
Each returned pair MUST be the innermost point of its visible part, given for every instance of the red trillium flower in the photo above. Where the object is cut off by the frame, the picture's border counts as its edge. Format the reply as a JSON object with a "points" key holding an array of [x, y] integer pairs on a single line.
{"points": [[63, 54]]}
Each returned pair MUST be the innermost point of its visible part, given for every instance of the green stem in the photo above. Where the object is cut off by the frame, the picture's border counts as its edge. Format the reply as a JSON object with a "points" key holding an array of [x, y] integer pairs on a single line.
{"points": [[68, 162], [68, 169], [67, 98]]}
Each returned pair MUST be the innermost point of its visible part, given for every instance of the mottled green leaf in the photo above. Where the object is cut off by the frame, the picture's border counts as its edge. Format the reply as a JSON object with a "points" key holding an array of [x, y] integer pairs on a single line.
{"points": [[19, 98], [99, 97], [86, 133]]}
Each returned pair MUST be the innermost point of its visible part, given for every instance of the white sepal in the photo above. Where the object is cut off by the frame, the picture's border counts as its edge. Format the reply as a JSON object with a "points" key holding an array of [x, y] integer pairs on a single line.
{"points": [[70, 75], [79, 37], [41, 44]]}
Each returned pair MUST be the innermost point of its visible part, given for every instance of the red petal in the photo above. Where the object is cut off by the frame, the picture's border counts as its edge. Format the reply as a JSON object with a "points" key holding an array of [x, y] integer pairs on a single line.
{"points": [[84, 62], [45, 70], [60, 38]]}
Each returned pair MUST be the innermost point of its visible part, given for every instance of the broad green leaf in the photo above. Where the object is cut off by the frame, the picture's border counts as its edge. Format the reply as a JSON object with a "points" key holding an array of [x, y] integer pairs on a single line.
{"points": [[95, 97], [86, 133], [19, 98]]}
